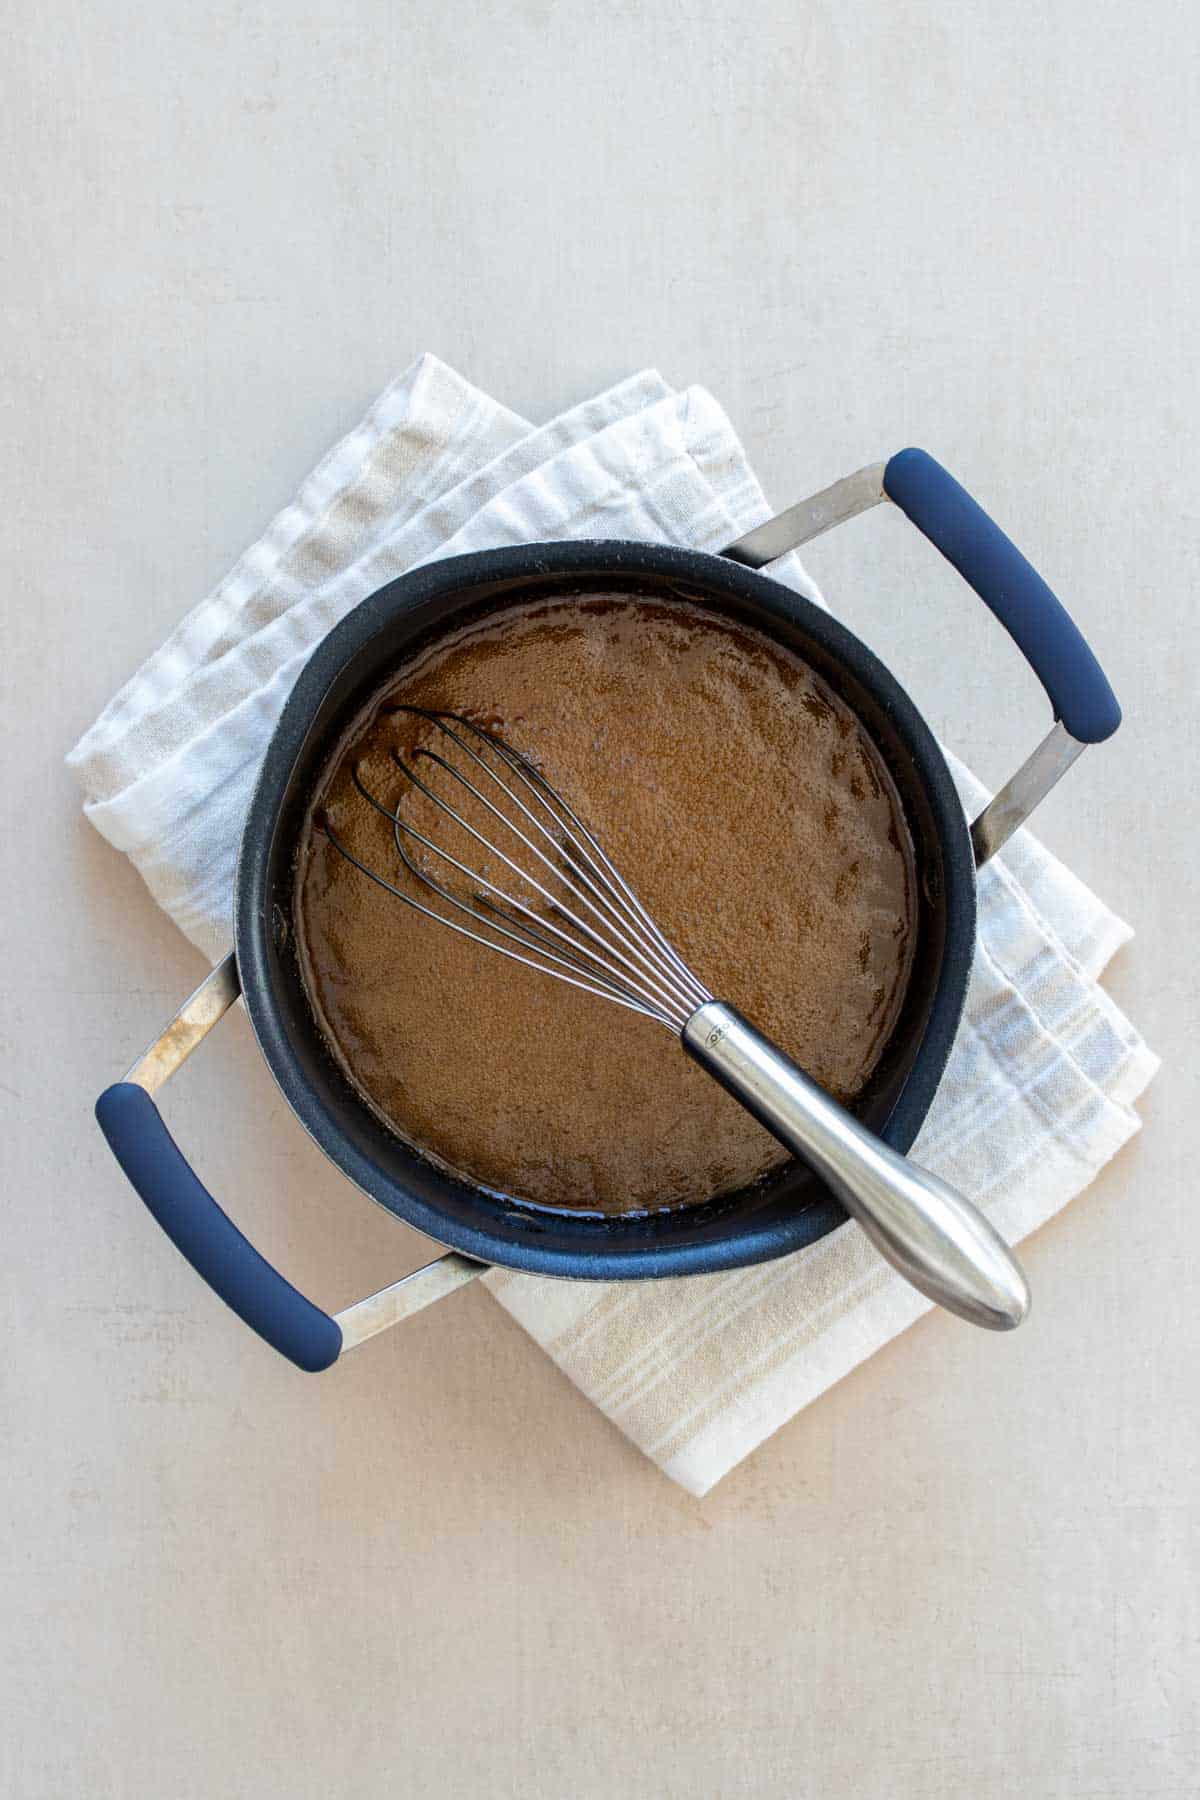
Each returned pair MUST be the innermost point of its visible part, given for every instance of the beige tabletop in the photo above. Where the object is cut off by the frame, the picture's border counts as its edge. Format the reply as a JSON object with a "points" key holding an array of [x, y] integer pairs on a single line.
{"points": [[972, 1569]]}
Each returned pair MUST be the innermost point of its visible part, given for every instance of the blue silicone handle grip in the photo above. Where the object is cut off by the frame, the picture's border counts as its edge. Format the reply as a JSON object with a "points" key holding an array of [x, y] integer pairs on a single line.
{"points": [[212, 1243], [1039, 623]]}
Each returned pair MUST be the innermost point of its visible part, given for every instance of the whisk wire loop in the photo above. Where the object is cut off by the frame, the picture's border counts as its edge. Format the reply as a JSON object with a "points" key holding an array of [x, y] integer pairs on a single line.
{"points": [[632, 975], [606, 872], [610, 909], [602, 992], [617, 952], [580, 847]]}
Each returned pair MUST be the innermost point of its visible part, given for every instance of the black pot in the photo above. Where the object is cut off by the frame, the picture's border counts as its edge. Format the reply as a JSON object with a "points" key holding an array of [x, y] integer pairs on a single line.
{"points": [[791, 1211]]}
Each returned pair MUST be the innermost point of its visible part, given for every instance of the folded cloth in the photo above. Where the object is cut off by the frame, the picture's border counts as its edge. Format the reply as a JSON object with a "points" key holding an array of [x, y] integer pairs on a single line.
{"points": [[1040, 1086]]}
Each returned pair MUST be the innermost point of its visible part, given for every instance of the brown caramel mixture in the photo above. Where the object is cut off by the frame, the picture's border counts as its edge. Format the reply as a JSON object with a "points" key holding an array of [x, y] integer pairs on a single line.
{"points": [[751, 813]]}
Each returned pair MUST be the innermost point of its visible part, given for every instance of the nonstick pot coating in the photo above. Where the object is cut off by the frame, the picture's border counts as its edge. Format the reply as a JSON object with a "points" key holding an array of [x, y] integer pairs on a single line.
{"points": [[789, 1211]]}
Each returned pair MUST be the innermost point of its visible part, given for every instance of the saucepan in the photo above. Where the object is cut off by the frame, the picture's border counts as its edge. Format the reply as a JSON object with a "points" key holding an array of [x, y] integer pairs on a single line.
{"points": [[476, 1228]]}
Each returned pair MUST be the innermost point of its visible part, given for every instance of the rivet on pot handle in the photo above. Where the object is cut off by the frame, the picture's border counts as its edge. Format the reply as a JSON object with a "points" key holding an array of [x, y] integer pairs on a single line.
{"points": [[1085, 707], [208, 1238]]}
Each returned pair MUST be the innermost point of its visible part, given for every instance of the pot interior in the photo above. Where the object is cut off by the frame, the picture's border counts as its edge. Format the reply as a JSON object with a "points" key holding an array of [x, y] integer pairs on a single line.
{"points": [[792, 1208]]}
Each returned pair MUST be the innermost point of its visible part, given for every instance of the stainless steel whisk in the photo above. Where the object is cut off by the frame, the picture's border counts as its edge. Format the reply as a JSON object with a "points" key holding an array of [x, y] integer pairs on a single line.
{"points": [[592, 931]]}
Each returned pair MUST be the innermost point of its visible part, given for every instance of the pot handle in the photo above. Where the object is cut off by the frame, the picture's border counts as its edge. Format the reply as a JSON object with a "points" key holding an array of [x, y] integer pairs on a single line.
{"points": [[1085, 707], [1040, 625], [173, 1193], [175, 1196]]}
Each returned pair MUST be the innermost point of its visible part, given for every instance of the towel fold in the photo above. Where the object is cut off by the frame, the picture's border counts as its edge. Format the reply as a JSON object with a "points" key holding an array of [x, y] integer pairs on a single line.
{"points": [[1041, 1083]]}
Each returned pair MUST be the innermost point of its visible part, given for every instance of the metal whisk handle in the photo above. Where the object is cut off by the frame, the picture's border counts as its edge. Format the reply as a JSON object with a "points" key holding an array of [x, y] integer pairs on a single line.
{"points": [[935, 1237]]}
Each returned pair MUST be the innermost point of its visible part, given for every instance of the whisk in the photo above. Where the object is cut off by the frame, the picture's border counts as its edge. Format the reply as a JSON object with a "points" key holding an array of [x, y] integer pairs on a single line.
{"points": [[533, 884]]}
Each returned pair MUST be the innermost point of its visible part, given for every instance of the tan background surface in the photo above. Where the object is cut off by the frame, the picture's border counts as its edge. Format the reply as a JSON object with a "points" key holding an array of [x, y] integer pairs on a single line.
{"points": [[973, 1568]]}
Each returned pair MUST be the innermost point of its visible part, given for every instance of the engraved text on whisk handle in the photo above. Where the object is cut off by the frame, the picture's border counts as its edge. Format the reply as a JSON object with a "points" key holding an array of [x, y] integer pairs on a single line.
{"points": [[932, 1235]]}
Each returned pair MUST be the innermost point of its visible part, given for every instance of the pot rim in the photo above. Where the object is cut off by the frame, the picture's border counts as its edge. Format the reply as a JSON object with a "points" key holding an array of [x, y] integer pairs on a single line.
{"points": [[617, 1249]]}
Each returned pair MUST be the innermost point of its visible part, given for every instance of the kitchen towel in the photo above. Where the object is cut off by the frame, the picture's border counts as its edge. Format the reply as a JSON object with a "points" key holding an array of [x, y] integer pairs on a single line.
{"points": [[1040, 1089]]}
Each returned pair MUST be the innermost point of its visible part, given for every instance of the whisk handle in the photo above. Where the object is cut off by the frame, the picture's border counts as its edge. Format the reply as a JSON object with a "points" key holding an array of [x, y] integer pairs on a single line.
{"points": [[933, 1235]]}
